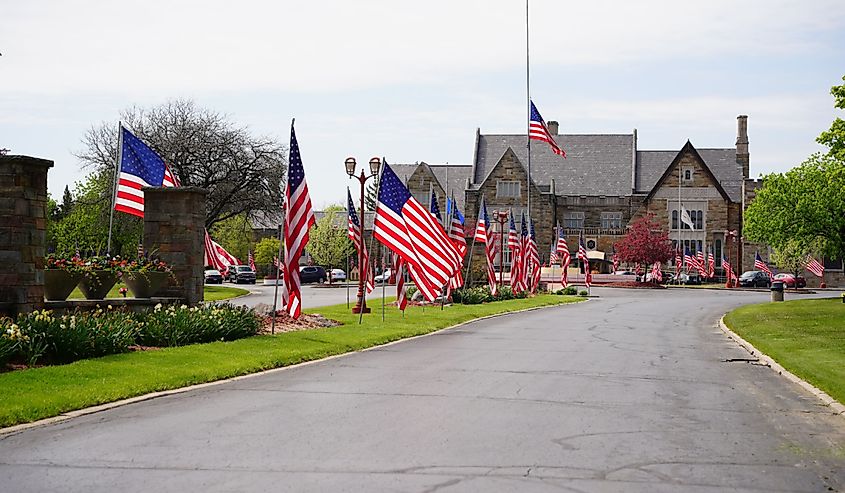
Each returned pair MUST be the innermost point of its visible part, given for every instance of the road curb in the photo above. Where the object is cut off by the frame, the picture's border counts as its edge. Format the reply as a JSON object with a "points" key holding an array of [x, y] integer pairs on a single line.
{"points": [[153, 395], [836, 406]]}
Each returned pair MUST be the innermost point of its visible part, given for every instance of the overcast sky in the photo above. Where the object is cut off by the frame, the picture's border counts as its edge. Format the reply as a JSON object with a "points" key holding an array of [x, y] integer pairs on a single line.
{"points": [[413, 80]]}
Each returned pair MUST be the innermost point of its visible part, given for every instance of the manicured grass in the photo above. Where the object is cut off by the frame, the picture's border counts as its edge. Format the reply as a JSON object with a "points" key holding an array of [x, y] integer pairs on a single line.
{"points": [[807, 337], [212, 293], [38, 393]]}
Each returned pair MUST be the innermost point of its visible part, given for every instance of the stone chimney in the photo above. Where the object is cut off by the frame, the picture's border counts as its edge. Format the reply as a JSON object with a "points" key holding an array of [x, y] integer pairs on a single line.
{"points": [[634, 161], [742, 156], [553, 127]]}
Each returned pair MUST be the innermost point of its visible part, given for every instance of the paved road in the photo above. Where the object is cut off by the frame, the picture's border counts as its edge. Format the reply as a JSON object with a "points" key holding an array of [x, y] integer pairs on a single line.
{"points": [[312, 295], [629, 392]]}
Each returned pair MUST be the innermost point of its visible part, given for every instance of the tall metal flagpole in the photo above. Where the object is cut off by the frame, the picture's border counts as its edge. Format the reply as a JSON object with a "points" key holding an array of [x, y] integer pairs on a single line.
{"points": [[281, 241], [383, 283], [372, 236], [347, 254], [528, 109], [680, 227], [116, 177]]}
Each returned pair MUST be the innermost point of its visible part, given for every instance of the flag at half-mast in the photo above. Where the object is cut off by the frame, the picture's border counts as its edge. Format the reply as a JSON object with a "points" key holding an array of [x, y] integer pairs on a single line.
{"points": [[537, 130], [354, 234], [299, 217], [140, 167], [484, 234], [404, 226]]}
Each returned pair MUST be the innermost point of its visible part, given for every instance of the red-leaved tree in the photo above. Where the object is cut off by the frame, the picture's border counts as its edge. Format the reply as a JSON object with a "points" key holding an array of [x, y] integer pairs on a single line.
{"points": [[645, 243]]}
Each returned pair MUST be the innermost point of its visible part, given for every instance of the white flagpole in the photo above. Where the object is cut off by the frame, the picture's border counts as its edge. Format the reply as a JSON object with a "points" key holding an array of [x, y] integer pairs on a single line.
{"points": [[278, 268], [528, 109], [116, 177]]}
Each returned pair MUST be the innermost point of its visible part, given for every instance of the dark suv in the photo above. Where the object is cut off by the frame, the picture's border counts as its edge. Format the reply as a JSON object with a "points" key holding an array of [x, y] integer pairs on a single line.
{"points": [[312, 273], [755, 279], [241, 274]]}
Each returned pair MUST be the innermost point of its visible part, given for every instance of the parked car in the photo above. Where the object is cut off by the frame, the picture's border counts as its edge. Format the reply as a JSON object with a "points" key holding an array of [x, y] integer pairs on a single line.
{"points": [[684, 278], [384, 276], [213, 276], [312, 273], [754, 279], [241, 274], [790, 280], [338, 275]]}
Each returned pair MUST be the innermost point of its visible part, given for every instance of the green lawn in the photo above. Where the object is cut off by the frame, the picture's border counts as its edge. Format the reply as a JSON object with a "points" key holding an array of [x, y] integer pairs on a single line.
{"points": [[37, 393], [212, 293], [807, 337]]}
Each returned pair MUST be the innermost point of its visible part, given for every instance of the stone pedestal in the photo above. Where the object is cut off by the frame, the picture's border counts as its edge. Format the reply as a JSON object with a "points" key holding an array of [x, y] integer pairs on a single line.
{"points": [[174, 230], [23, 232]]}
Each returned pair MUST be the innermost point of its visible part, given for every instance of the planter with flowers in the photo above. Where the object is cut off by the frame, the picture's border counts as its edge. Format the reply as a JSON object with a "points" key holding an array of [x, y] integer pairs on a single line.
{"points": [[145, 276], [61, 275], [100, 275]]}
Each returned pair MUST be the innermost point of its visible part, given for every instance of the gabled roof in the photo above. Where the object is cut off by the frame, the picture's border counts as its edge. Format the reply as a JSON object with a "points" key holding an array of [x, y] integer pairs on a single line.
{"points": [[594, 164], [651, 165], [688, 147]]}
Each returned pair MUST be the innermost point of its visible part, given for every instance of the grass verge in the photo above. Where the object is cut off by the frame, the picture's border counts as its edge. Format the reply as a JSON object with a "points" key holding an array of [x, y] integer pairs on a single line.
{"points": [[38, 393], [212, 293], [807, 337]]}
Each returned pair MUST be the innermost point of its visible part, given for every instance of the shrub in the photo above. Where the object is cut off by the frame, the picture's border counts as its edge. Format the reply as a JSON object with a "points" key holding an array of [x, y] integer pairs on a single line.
{"points": [[583, 292], [181, 325], [570, 290], [409, 291]]}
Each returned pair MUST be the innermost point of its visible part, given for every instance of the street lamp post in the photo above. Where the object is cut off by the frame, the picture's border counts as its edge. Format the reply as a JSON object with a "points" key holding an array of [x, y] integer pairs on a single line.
{"points": [[375, 164]]}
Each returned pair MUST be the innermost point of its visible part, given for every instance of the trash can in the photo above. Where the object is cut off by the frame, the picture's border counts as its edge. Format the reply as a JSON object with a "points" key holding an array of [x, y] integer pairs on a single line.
{"points": [[777, 291]]}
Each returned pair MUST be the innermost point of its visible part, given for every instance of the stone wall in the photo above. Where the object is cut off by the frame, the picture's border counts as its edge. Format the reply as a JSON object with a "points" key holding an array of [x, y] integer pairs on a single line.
{"points": [[23, 232], [174, 229]]}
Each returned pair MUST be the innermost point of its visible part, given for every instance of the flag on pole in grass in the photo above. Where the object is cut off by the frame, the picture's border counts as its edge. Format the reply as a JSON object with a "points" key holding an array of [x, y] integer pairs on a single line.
{"points": [[140, 166], [537, 130], [299, 217], [456, 234], [759, 264], [399, 270], [565, 256], [701, 263], [729, 273], [354, 233], [515, 247], [656, 273], [534, 259], [217, 256], [588, 276], [404, 226], [582, 249], [815, 266], [524, 257], [711, 263], [484, 234], [689, 260], [615, 259], [251, 261], [679, 260], [434, 208]]}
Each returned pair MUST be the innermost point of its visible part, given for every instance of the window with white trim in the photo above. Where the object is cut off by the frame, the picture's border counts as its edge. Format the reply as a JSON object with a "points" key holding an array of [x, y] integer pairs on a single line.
{"points": [[611, 220], [573, 220]]}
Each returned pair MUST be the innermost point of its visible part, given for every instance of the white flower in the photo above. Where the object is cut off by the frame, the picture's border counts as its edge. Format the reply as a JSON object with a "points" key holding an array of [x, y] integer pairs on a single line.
{"points": [[158, 307]]}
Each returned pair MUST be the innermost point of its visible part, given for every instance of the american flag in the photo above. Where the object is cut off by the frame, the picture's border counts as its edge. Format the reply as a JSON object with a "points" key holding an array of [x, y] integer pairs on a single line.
{"points": [[456, 234], [565, 257], [484, 234], [815, 267], [534, 259], [553, 257], [711, 263], [299, 217], [538, 130], [729, 273], [588, 276], [434, 208], [615, 259], [251, 261], [399, 270], [354, 234], [679, 260], [210, 256], [515, 246], [689, 260], [582, 249], [524, 256], [407, 228], [217, 256], [701, 263], [759, 264], [656, 274], [140, 167]]}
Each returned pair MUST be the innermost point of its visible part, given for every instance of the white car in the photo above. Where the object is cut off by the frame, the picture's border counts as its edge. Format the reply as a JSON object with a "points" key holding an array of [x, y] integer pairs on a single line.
{"points": [[338, 275], [384, 276]]}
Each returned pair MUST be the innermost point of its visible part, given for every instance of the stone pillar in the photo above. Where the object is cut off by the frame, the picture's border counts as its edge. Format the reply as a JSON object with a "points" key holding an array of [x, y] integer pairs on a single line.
{"points": [[23, 232], [174, 229]]}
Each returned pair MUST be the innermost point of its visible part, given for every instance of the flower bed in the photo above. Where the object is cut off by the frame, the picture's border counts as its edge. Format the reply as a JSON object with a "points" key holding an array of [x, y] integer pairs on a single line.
{"points": [[41, 337]]}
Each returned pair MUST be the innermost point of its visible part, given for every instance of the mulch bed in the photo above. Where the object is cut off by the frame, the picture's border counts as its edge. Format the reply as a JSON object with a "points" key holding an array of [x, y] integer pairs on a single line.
{"points": [[306, 321]]}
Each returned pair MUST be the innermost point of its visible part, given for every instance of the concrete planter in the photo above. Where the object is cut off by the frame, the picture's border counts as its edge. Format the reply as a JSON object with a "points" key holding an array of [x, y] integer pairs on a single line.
{"points": [[58, 284], [95, 284], [144, 284]]}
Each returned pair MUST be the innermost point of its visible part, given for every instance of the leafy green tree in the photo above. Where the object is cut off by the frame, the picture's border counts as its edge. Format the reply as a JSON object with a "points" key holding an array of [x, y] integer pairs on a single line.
{"points": [[802, 210], [265, 250], [834, 138], [235, 235], [791, 257], [329, 244]]}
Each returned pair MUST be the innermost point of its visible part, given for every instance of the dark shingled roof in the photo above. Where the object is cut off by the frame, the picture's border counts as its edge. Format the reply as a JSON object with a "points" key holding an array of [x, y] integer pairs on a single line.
{"points": [[594, 164], [458, 175], [722, 162]]}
